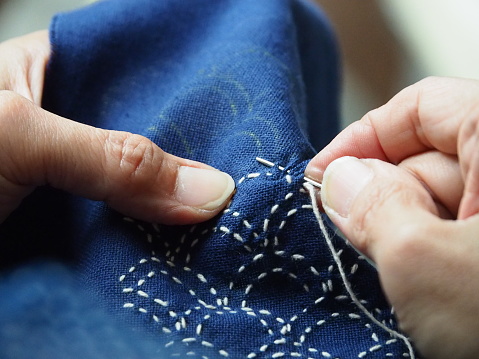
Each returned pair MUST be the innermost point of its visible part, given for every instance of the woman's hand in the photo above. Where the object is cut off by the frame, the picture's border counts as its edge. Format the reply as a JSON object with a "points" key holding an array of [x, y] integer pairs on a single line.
{"points": [[128, 171], [394, 184]]}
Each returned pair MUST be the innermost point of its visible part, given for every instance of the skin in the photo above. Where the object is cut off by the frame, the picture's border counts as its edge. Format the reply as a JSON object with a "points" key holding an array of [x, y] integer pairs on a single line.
{"points": [[408, 198], [129, 172]]}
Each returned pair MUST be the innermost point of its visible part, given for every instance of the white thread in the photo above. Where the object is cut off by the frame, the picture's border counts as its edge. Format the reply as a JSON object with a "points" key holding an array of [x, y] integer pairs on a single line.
{"points": [[265, 162], [346, 283]]}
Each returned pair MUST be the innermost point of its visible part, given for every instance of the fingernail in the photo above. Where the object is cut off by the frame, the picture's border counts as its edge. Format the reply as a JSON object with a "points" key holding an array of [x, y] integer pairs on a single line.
{"points": [[343, 180], [202, 188]]}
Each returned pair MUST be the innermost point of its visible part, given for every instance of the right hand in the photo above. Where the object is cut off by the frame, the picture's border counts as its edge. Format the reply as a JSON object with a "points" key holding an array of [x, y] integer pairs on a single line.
{"points": [[129, 172], [408, 197]]}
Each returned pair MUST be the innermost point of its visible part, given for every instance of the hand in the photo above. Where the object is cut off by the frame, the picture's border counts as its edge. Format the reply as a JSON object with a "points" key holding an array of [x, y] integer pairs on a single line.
{"points": [[414, 170], [128, 171]]}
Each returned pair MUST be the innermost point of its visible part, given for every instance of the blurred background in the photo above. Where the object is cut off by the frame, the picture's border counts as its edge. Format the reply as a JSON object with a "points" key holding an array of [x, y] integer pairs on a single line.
{"points": [[385, 44]]}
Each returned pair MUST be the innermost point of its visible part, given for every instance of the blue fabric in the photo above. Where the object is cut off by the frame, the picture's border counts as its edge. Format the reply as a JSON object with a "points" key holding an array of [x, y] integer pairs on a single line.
{"points": [[221, 82]]}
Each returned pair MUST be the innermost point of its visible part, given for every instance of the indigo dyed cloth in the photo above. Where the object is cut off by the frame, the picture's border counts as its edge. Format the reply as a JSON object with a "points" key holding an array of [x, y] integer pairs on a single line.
{"points": [[222, 82]]}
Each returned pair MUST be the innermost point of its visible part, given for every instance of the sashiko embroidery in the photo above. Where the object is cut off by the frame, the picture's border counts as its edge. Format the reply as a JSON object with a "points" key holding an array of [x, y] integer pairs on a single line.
{"points": [[247, 87]]}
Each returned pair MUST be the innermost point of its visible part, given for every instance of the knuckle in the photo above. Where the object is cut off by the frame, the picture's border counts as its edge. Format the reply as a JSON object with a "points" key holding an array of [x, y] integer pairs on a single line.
{"points": [[133, 155]]}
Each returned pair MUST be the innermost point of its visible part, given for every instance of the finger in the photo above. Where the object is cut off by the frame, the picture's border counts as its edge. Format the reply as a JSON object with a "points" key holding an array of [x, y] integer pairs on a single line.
{"points": [[22, 64], [370, 199], [440, 174], [427, 115], [127, 171]]}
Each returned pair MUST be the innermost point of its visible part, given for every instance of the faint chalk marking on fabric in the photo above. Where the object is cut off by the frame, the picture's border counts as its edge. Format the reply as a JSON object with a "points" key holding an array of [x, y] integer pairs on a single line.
{"points": [[344, 278]]}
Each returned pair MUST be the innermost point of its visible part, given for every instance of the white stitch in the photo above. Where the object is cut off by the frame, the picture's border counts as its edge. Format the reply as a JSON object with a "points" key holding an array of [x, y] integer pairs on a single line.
{"points": [[253, 314], [354, 268], [223, 353], [202, 278], [140, 227], [302, 338], [281, 320], [225, 301], [341, 297], [237, 237], [263, 348], [258, 257], [292, 275], [312, 350], [291, 212], [128, 219], [265, 225], [142, 294], [297, 344], [297, 257], [128, 305], [199, 327], [171, 264], [307, 206], [246, 223], [224, 229], [334, 315], [321, 322], [264, 322], [262, 275], [281, 225], [308, 330], [241, 180], [166, 330], [314, 270], [306, 287], [207, 344], [288, 179], [172, 314], [326, 354], [330, 268], [156, 319], [253, 175], [192, 292], [235, 214], [243, 304], [206, 317], [128, 290], [295, 354], [276, 240], [154, 259], [183, 322], [288, 196], [274, 208], [265, 162], [277, 355], [248, 288], [284, 330], [391, 341], [375, 348], [330, 285], [276, 270], [281, 168], [188, 312], [122, 278], [161, 302], [219, 302], [354, 316], [251, 355], [141, 282], [187, 269], [265, 312], [195, 241], [177, 280], [169, 344], [374, 336], [143, 260], [189, 340], [132, 269], [279, 253], [142, 310], [188, 257], [150, 274], [213, 291], [242, 268], [280, 341]]}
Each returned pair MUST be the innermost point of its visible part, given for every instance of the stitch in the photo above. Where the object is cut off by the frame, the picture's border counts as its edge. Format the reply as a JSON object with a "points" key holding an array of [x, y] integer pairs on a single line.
{"points": [[188, 340], [276, 270], [223, 353], [292, 275], [279, 253], [293, 318], [274, 208], [176, 280], [219, 302], [265, 312], [169, 344], [155, 318], [288, 196], [341, 297], [243, 304], [188, 312], [251, 355], [202, 278], [281, 226], [256, 235], [128, 290], [306, 287], [248, 248], [374, 336], [265, 242], [171, 264], [265, 162], [297, 344], [312, 350], [307, 206], [142, 294], [281, 168], [362, 354], [295, 354], [172, 314], [270, 332], [149, 238], [330, 269], [128, 305], [354, 268], [280, 320], [258, 257], [166, 330], [163, 303], [241, 180], [314, 271], [187, 269], [354, 316], [324, 286], [164, 272], [235, 214], [262, 275], [291, 212], [264, 322], [389, 354], [188, 258], [143, 310], [297, 257], [330, 285], [207, 344], [140, 282], [277, 355], [195, 241], [150, 274], [321, 322], [122, 278], [183, 323], [375, 348], [335, 315], [141, 228], [302, 338], [213, 291], [263, 348], [253, 175], [276, 240], [238, 237], [308, 330], [246, 223], [253, 314], [248, 289], [224, 229], [242, 268], [132, 269], [391, 341], [346, 283], [289, 179], [265, 225], [284, 330]]}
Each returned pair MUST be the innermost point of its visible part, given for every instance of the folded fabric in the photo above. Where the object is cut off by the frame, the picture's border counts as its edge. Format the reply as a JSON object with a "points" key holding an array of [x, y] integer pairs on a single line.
{"points": [[248, 87]]}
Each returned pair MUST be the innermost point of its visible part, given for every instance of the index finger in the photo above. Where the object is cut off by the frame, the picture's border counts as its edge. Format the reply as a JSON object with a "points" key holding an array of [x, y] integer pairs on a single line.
{"points": [[423, 116]]}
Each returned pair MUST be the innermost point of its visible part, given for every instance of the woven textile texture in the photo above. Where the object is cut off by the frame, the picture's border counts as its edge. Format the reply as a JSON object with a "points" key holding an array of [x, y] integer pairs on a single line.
{"points": [[222, 82]]}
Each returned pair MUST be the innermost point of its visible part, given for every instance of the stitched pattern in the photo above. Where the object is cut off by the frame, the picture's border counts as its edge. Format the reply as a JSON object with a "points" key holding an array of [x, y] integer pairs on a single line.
{"points": [[286, 293]]}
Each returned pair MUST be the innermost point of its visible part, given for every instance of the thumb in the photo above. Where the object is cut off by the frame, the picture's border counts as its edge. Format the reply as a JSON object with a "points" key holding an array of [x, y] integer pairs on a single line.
{"points": [[129, 172], [371, 200]]}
